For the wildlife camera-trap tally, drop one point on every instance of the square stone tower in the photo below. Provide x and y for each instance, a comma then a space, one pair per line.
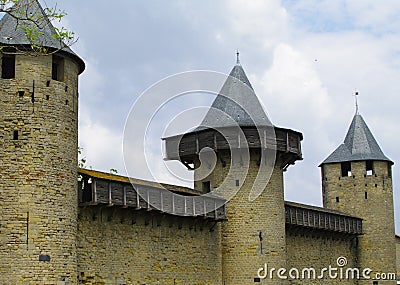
357, 180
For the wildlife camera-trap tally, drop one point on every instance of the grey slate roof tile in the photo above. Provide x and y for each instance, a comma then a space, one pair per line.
11, 35
235, 105
359, 144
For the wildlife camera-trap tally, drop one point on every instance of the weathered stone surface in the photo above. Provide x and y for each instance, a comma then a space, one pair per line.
319, 250
38, 193
398, 256
243, 251
370, 197
124, 246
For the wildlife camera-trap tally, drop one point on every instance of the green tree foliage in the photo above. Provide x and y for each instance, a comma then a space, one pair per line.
33, 25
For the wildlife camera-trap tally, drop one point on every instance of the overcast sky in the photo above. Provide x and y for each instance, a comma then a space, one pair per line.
305, 59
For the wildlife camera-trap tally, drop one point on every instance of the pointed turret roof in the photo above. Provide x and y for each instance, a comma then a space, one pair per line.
236, 104
12, 35
359, 144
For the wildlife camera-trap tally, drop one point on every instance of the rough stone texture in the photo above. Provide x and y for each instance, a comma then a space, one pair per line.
369, 197
124, 246
319, 250
241, 246
398, 256
38, 193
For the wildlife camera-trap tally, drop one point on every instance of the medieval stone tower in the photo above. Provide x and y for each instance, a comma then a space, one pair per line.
38, 138
239, 155
357, 180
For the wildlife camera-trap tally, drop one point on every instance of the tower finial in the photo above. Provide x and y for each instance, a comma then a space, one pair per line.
356, 95
237, 57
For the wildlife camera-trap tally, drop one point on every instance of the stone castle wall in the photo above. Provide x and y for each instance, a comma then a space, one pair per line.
38, 192
319, 250
125, 246
398, 256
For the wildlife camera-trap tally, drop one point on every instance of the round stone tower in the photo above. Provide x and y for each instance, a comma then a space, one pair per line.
357, 180
38, 141
237, 154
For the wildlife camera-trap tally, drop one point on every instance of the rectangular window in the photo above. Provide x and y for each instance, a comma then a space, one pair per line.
366, 195
8, 66
389, 169
57, 68
206, 186
346, 169
369, 167
15, 135
337, 199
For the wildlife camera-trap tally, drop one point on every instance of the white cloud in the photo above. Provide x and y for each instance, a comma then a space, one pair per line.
293, 85
375, 15
261, 23
102, 147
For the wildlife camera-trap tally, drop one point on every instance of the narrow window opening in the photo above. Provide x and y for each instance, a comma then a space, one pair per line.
47, 83
66, 88
376, 185
206, 186
237, 182
8, 66
366, 195
66, 102
57, 68
337, 199
15, 135
346, 169
47, 97
21, 94
369, 167
54, 71
389, 170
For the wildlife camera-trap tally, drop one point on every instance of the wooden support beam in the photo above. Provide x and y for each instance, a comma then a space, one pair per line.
124, 197
110, 203
94, 192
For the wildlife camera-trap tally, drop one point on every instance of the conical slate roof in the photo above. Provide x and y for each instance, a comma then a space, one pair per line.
12, 35
359, 144
235, 105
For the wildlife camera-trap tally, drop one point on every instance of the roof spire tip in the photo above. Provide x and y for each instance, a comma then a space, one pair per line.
356, 97
237, 57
